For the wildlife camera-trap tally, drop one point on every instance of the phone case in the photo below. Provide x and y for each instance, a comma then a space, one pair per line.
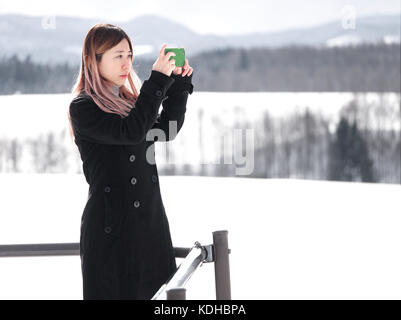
179, 56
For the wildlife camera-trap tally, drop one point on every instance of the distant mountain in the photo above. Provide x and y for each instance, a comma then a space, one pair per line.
59, 38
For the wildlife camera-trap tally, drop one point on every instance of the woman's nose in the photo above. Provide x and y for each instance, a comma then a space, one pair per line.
126, 64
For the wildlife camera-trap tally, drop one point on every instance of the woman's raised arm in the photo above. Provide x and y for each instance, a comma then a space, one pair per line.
93, 124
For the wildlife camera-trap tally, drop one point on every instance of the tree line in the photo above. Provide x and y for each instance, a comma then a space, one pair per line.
363, 68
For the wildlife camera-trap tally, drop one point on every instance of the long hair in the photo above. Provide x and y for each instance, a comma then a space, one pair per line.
100, 38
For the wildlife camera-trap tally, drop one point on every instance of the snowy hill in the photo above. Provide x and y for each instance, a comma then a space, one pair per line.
59, 38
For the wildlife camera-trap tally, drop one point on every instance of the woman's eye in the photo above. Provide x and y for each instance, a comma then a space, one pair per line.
120, 56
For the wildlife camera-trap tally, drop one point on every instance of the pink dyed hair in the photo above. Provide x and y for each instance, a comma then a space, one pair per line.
100, 38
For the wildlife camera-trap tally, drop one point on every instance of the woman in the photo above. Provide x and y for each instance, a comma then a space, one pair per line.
125, 244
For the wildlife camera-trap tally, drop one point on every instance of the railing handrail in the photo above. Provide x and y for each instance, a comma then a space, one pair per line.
174, 287
193, 260
57, 249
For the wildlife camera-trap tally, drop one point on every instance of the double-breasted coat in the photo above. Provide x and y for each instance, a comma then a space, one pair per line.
125, 243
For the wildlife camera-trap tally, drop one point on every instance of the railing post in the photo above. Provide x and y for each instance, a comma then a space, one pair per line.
176, 294
221, 265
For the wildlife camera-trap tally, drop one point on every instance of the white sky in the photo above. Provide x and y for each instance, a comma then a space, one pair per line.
209, 16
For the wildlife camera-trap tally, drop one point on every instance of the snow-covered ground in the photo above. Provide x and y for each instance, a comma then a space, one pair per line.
289, 239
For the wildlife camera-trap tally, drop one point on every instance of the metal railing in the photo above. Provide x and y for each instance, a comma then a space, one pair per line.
218, 253
174, 288
56, 249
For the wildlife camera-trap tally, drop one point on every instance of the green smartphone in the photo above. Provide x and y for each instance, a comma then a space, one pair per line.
179, 56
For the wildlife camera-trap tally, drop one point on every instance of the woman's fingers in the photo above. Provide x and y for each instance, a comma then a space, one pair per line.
161, 53
187, 69
169, 54
177, 70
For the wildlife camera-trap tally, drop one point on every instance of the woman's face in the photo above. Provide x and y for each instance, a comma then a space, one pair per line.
116, 63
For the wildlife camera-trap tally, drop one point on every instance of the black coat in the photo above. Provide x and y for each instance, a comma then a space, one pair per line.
125, 244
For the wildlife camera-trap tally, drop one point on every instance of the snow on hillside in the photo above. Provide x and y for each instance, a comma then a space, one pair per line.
289, 239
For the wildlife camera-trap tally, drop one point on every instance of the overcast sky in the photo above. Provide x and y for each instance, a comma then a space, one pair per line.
209, 16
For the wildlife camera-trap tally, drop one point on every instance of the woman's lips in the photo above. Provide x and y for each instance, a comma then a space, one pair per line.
123, 76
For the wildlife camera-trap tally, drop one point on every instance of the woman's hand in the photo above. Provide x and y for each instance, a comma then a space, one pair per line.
162, 64
187, 69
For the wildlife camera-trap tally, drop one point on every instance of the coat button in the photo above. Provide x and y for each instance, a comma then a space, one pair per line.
107, 189
136, 203
132, 158
107, 229
159, 93
154, 178
133, 180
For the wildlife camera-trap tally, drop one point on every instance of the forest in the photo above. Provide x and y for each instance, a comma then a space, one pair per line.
365, 144
362, 68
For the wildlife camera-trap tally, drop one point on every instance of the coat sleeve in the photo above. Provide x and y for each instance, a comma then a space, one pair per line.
171, 118
93, 124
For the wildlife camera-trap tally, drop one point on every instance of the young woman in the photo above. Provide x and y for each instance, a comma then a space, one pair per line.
125, 244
